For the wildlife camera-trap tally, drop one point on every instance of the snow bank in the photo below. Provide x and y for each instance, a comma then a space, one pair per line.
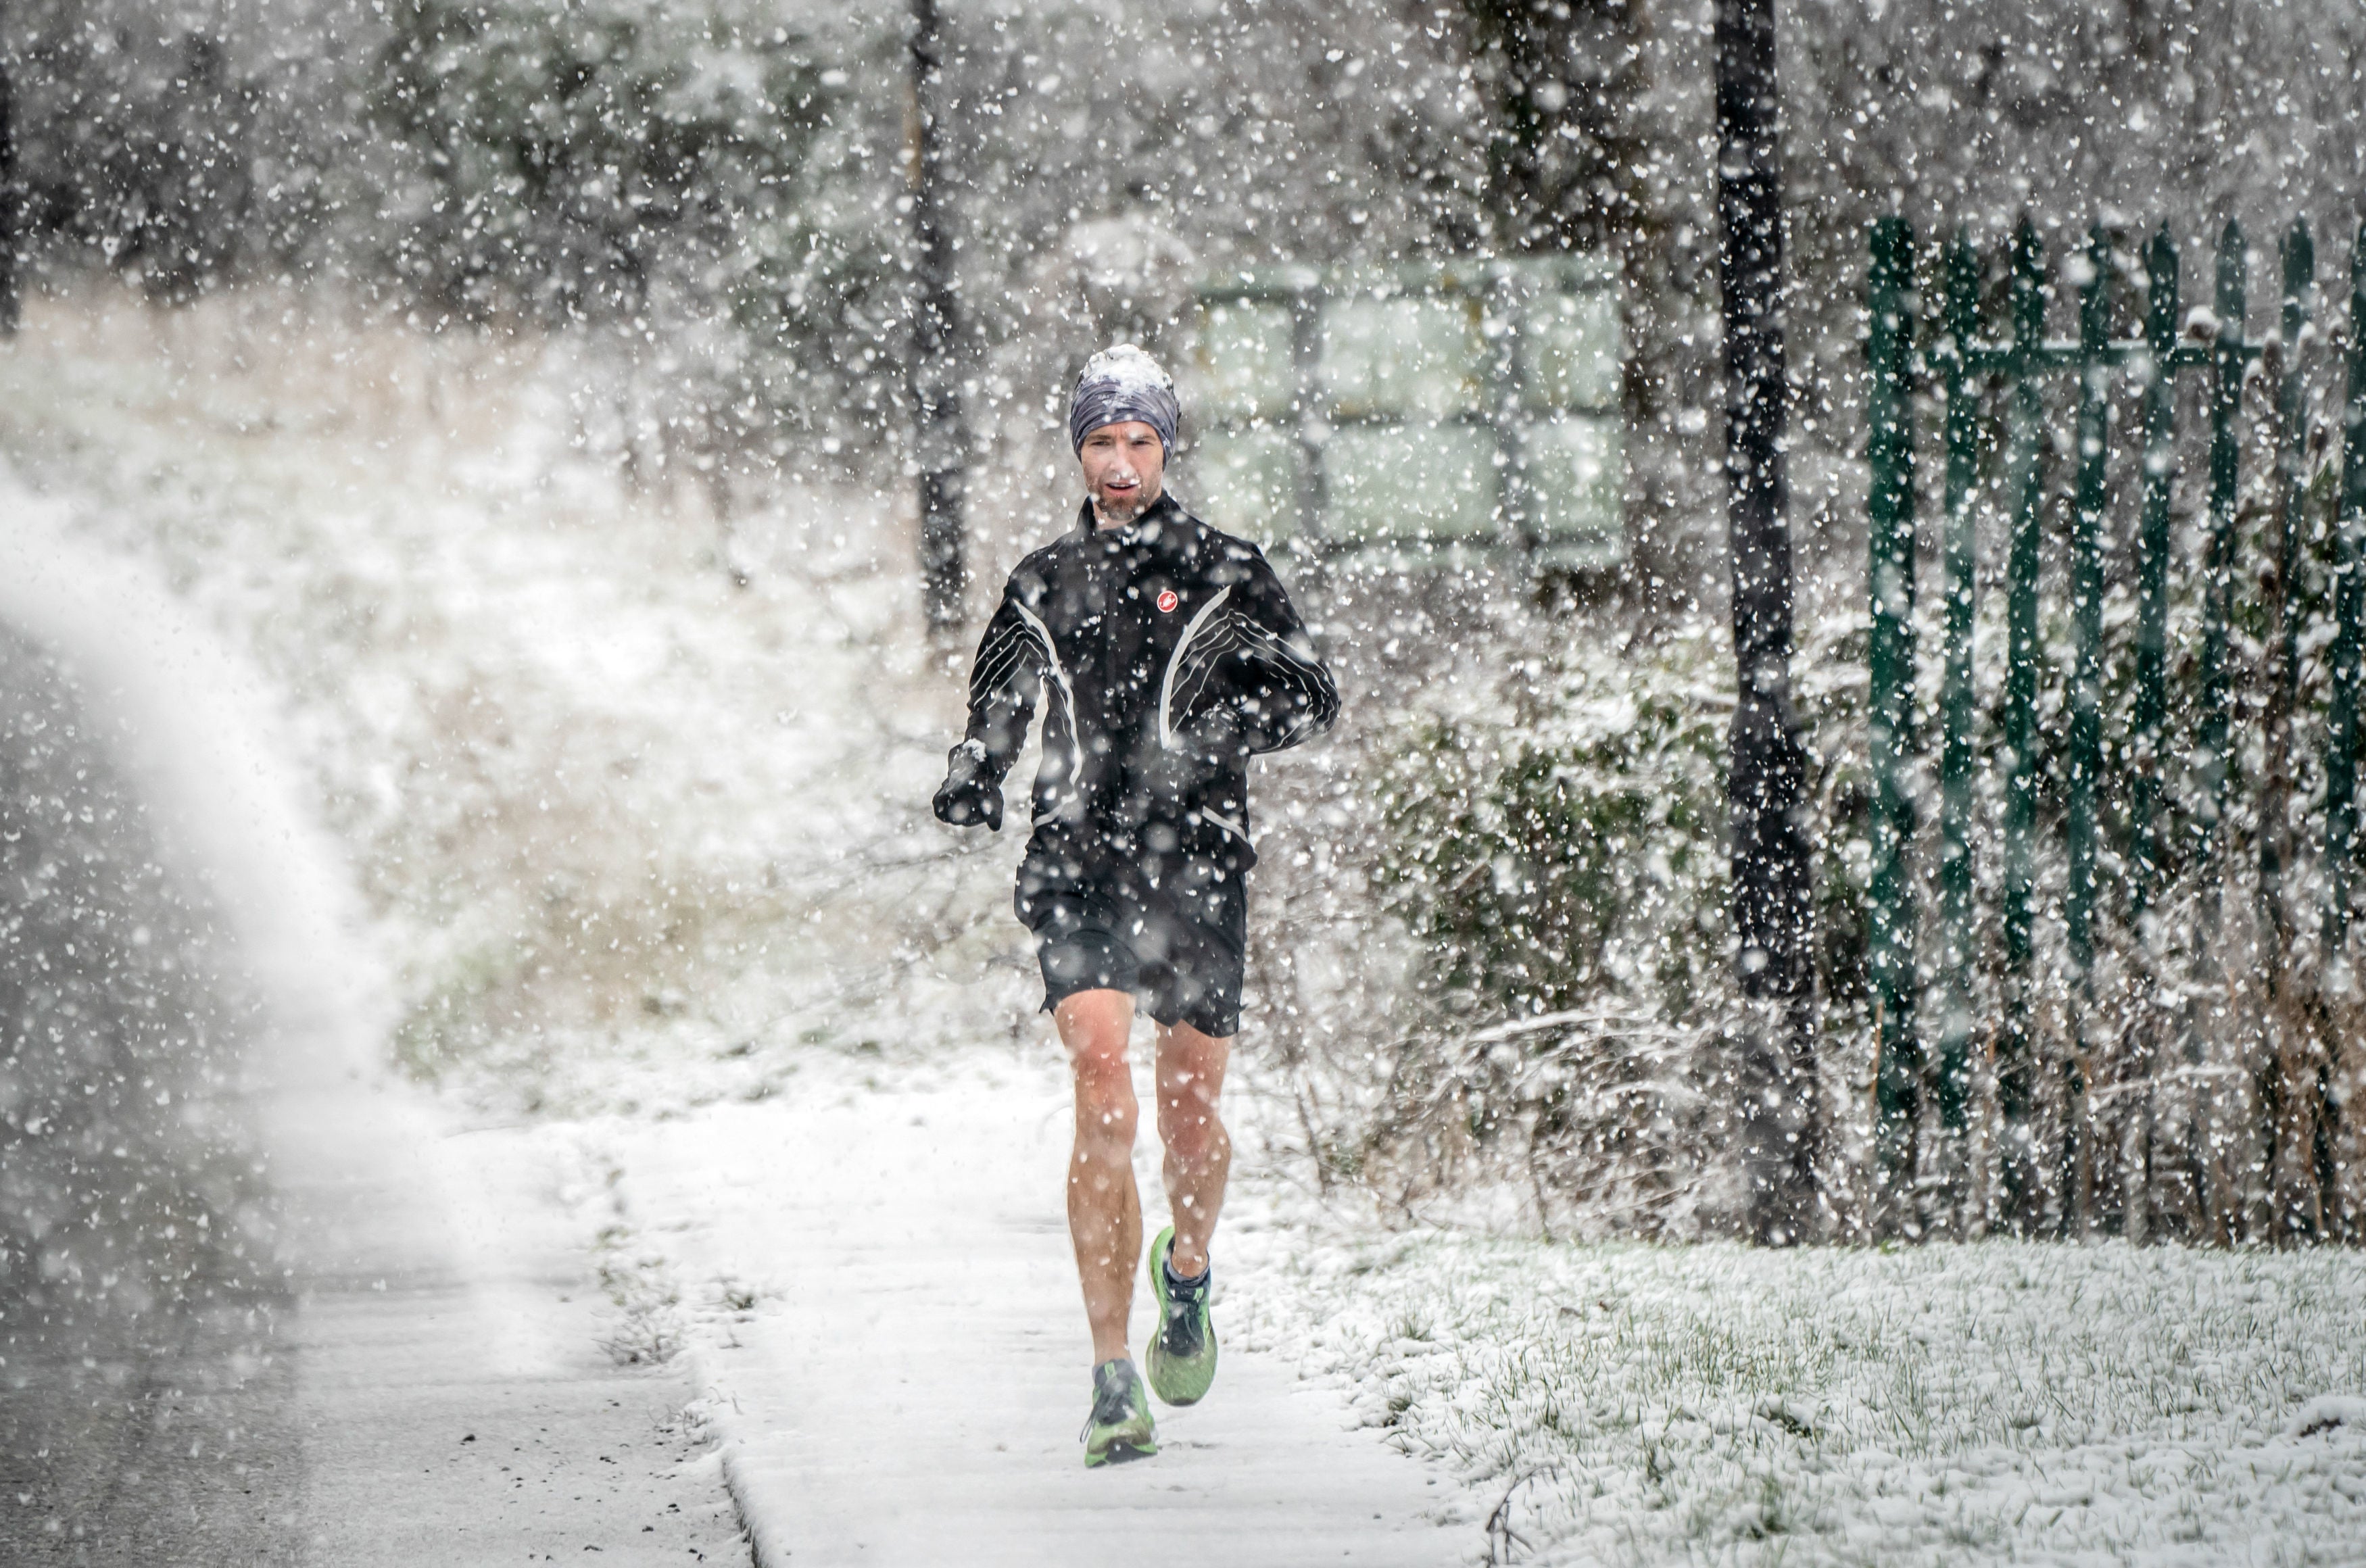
203, 740
203, 737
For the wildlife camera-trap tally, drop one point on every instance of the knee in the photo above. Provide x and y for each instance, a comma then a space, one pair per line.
1111, 1116
1104, 1101
1187, 1124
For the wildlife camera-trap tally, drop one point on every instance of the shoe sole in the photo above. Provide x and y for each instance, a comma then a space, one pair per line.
1156, 1363
1120, 1453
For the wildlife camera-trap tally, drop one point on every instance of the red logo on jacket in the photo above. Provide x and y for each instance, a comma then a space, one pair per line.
1167, 601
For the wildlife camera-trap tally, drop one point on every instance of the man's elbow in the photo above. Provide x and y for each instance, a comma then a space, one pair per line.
1297, 724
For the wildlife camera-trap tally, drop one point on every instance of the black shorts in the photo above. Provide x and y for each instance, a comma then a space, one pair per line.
1176, 943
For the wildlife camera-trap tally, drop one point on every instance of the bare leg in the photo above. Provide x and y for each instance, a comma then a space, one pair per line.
1199, 1150
1104, 1208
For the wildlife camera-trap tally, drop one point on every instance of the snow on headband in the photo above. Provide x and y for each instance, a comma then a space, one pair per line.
1118, 384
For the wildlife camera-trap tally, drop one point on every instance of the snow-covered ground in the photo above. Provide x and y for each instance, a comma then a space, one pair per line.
1994, 1402
637, 804
868, 1274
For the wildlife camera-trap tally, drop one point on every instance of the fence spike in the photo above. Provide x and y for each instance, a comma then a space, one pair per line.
2227, 360
2229, 355
2087, 595
2299, 267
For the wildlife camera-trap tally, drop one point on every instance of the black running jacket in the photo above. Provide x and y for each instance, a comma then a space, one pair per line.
1165, 654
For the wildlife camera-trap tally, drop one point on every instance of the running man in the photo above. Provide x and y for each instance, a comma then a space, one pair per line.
1165, 655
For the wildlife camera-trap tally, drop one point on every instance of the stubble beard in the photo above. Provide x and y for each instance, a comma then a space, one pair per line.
1116, 511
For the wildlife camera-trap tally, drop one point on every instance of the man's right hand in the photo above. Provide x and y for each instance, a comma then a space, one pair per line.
967, 797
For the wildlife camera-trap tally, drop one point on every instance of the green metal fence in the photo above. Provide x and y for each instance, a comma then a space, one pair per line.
1992, 375
1426, 412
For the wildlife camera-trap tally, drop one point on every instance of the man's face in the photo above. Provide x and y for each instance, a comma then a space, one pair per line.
1123, 466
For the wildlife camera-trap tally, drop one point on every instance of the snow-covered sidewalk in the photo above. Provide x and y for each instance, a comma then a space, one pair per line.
452, 1401
878, 1301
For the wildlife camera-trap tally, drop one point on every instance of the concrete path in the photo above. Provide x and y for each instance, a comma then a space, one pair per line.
894, 1346
428, 1389
452, 1403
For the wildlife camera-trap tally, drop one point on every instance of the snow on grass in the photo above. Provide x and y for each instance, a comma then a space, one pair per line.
1996, 1402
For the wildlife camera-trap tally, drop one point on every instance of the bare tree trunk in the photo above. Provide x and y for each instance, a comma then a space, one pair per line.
940, 435
1772, 900
2346, 1086
11, 207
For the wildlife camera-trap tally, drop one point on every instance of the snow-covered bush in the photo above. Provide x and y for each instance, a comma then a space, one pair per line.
1577, 860
141, 127
1561, 871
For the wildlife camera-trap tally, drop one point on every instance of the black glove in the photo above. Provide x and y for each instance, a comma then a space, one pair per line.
1215, 733
968, 796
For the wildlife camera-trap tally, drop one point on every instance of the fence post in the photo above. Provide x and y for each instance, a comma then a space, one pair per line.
2086, 597
2228, 355
2300, 1123
2226, 485
2299, 259
2225, 488
2151, 717
1956, 696
1889, 717
2350, 615
2086, 697
2016, 1071
2152, 558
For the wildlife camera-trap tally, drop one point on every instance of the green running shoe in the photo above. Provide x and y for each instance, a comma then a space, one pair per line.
1183, 1347
1120, 1427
